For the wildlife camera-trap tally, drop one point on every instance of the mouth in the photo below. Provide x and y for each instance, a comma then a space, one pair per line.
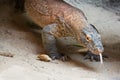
97, 51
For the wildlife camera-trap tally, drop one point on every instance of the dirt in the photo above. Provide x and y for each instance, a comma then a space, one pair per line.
16, 37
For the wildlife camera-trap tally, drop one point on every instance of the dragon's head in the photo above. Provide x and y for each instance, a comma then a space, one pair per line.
91, 38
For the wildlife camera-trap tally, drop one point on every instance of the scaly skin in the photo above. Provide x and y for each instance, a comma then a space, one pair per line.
59, 19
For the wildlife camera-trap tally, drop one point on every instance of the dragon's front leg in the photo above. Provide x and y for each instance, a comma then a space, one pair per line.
49, 42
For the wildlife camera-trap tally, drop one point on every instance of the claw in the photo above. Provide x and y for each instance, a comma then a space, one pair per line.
59, 57
65, 58
93, 57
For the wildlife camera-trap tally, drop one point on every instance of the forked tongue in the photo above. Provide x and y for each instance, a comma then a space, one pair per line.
101, 58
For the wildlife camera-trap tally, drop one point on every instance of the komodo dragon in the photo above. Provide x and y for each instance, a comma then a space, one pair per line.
59, 19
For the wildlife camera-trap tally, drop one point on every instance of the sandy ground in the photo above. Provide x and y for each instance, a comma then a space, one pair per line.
18, 39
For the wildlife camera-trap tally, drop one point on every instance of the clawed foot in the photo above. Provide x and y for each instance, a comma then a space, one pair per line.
58, 56
92, 56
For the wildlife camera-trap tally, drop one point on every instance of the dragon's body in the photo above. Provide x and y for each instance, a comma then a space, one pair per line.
59, 19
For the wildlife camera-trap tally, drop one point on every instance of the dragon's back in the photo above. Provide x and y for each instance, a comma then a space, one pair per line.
45, 12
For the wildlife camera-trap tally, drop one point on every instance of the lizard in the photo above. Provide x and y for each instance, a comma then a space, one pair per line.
59, 19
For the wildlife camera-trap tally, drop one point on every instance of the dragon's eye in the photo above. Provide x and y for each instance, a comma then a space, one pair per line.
88, 38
